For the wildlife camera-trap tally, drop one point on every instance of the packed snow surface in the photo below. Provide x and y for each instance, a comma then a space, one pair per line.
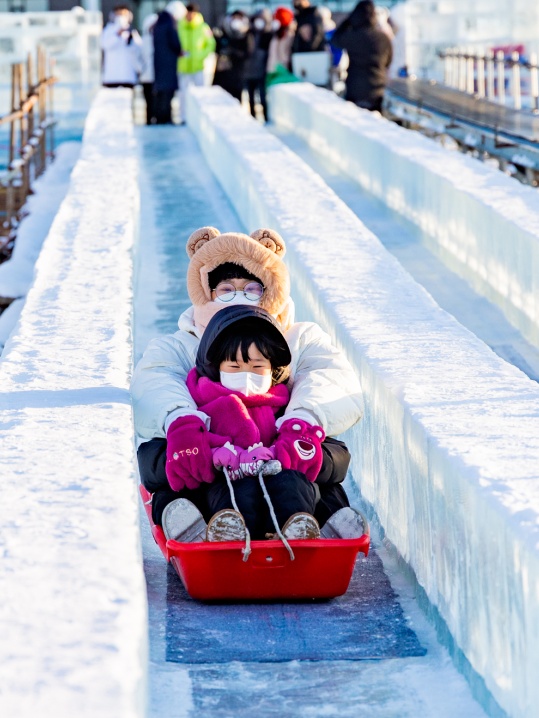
73, 612
17, 273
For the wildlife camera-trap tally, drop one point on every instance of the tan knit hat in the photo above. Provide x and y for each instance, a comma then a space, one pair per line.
260, 254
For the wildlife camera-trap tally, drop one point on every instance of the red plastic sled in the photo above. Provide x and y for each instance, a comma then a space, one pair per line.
216, 571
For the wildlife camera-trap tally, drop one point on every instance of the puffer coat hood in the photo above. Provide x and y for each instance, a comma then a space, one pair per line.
260, 254
363, 15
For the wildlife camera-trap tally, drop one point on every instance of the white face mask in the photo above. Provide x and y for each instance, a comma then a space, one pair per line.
259, 23
238, 25
246, 382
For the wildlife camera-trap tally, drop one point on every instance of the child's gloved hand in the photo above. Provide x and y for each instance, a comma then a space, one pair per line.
189, 459
299, 446
251, 461
228, 456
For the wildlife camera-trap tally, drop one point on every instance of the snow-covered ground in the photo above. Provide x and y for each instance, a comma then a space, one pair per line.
17, 274
73, 611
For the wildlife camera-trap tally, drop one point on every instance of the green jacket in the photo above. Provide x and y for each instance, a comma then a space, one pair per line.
197, 40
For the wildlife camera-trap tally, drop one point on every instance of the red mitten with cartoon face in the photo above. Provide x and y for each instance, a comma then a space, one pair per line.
189, 456
299, 446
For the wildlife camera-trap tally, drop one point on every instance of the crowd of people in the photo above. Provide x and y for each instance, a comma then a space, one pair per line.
250, 52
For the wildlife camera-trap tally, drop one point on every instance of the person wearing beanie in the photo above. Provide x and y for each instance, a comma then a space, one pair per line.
237, 271
280, 47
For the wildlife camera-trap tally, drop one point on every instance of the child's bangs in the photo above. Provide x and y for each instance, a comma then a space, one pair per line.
243, 342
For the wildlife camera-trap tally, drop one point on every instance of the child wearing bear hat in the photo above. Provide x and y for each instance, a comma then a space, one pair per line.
227, 269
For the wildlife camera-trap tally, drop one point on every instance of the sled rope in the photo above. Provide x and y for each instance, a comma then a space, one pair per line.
273, 516
246, 550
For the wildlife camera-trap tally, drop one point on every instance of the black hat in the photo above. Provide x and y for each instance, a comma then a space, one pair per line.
229, 270
229, 320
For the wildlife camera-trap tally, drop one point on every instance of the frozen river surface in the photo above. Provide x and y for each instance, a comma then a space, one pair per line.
195, 667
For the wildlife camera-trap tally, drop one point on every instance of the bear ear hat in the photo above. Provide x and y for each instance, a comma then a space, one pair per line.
270, 239
199, 238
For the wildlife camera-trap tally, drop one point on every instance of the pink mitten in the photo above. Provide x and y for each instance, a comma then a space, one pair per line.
251, 461
228, 456
299, 446
189, 459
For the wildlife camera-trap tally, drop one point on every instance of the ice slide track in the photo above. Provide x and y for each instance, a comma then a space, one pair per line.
193, 665
407, 242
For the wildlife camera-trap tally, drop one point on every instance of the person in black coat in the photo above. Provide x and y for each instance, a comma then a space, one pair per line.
167, 49
255, 66
310, 35
234, 44
370, 53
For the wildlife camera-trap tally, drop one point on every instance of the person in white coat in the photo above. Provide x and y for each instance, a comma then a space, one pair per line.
123, 60
324, 390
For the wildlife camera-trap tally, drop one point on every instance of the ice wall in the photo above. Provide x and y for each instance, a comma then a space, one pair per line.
481, 223
429, 26
71, 38
73, 615
448, 450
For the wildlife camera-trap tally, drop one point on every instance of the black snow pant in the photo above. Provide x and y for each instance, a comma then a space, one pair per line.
147, 88
162, 108
252, 87
288, 490
329, 495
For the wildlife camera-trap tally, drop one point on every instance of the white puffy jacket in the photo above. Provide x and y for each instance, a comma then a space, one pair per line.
324, 387
122, 62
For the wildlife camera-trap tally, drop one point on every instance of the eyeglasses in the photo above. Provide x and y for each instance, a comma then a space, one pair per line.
226, 291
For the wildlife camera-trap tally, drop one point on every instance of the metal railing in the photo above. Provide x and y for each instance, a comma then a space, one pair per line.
492, 75
31, 139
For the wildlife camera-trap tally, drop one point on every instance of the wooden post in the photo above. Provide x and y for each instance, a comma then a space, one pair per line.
470, 71
13, 108
500, 63
534, 81
462, 71
51, 102
30, 89
480, 74
42, 110
28, 120
515, 81
490, 75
